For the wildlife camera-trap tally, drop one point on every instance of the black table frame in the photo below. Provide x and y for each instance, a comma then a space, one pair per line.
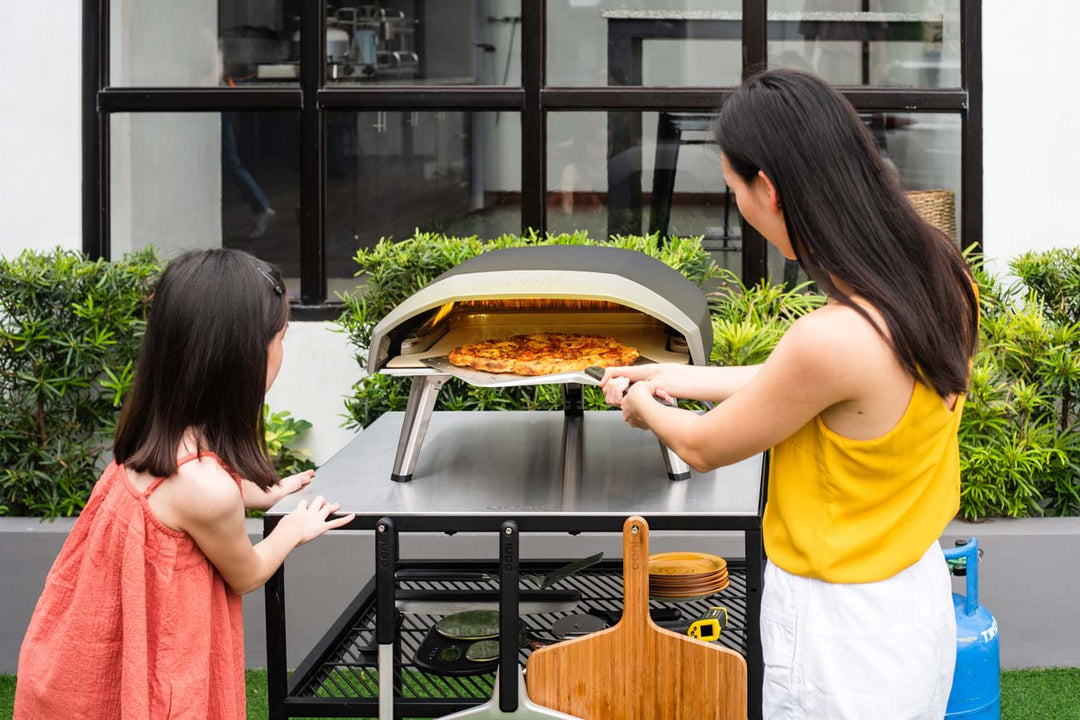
387, 531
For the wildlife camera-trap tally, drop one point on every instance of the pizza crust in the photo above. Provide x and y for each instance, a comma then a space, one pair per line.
543, 354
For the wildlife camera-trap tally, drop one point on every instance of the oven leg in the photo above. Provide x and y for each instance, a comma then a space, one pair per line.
677, 468
422, 396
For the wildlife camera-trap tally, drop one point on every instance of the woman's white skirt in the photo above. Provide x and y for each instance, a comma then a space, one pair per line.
861, 651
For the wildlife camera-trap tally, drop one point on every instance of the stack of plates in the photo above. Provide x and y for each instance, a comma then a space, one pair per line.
686, 576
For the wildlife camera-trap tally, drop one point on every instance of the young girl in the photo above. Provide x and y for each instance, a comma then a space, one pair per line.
141, 614
860, 403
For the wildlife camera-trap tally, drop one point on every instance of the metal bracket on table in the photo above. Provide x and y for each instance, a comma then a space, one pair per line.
386, 559
422, 396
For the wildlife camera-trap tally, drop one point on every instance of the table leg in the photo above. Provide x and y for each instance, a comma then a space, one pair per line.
386, 558
624, 137
277, 677
663, 187
755, 577
509, 670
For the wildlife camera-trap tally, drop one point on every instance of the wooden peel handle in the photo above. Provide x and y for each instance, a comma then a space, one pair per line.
635, 571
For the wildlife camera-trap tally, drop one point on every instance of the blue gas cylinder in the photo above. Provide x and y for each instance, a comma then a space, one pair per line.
976, 688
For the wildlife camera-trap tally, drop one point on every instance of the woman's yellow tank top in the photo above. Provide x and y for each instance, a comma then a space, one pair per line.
852, 511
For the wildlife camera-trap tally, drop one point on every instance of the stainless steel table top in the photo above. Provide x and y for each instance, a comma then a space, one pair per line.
494, 465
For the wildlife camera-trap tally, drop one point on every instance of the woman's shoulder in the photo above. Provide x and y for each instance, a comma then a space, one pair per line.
837, 332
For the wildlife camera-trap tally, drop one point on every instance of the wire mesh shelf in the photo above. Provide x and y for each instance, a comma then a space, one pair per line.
348, 668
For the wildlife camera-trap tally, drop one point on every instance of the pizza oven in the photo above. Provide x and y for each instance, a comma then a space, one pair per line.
623, 294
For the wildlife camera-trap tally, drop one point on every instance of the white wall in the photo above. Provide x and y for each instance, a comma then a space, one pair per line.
317, 371
1031, 128
40, 125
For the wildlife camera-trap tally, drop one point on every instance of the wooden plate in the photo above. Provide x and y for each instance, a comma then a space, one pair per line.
685, 564
687, 580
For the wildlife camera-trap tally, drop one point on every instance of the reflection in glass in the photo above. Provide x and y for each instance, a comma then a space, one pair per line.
203, 43
644, 42
389, 173
881, 43
204, 180
924, 150
453, 42
634, 173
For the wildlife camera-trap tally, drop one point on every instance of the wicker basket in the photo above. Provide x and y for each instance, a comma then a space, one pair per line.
937, 207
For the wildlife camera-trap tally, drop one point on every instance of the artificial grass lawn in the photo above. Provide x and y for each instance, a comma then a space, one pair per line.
1052, 694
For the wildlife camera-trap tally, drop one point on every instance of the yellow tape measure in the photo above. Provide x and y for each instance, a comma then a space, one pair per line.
708, 627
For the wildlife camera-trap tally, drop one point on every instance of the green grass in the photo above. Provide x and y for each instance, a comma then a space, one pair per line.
1052, 694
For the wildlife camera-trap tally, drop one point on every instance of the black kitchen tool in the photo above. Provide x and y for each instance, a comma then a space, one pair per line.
445, 656
572, 626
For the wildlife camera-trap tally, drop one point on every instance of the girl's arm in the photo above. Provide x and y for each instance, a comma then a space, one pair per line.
818, 363
696, 382
215, 520
256, 498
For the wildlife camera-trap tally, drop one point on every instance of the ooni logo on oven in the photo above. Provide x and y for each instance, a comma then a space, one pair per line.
515, 507
549, 281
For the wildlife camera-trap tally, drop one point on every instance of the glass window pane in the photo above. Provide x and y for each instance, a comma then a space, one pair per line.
637, 172
403, 42
183, 181
639, 42
203, 43
390, 173
880, 43
924, 148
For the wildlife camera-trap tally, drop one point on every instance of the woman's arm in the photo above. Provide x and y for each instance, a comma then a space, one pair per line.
696, 382
814, 367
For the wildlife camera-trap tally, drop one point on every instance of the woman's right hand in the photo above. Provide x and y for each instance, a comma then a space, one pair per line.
617, 379
310, 520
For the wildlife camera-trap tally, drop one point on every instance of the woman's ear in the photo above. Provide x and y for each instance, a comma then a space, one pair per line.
770, 189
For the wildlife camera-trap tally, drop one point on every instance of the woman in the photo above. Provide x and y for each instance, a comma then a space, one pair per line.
860, 403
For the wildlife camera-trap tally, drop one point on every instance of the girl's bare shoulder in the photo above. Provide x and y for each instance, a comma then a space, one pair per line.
204, 491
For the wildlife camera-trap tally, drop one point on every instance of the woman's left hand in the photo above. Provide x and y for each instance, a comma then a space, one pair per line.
640, 393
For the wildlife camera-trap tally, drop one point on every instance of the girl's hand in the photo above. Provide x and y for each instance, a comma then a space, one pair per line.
310, 520
256, 498
617, 379
643, 391
299, 481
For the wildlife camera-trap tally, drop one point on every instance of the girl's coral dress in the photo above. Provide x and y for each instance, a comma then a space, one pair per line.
134, 623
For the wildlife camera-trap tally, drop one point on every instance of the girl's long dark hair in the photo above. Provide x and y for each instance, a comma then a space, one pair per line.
202, 365
849, 220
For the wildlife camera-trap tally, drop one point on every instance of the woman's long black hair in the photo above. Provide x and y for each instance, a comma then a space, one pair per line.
202, 365
849, 220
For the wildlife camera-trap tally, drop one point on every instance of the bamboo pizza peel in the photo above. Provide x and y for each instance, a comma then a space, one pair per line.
636, 669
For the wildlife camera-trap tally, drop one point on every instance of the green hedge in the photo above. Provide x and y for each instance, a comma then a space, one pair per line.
70, 330
1019, 442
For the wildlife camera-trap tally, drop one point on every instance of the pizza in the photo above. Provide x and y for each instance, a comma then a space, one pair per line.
543, 353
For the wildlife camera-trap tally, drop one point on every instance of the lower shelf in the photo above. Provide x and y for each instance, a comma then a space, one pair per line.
341, 672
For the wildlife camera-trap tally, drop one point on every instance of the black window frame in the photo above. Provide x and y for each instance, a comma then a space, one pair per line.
533, 100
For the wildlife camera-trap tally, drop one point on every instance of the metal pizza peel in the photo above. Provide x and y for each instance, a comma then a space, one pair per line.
479, 378
525, 708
